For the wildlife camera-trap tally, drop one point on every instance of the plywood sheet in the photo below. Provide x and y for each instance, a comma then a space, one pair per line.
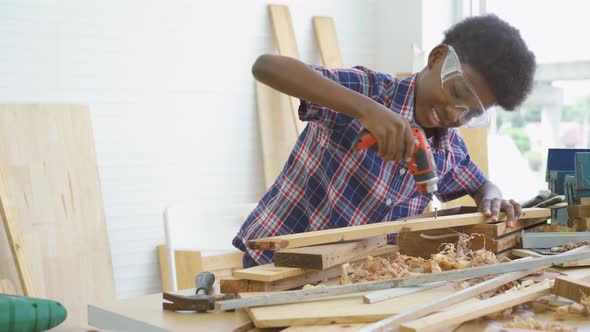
343, 309
48, 157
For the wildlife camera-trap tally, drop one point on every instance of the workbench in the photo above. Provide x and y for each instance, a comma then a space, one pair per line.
145, 314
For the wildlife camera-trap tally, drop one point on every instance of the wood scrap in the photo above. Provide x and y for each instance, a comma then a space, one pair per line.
370, 230
549, 240
311, 294
571, 288
393, 323
388, 294
325, 256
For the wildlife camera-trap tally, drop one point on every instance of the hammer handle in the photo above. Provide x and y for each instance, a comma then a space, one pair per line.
204, 281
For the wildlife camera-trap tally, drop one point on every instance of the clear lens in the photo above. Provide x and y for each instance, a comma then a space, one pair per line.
461, 93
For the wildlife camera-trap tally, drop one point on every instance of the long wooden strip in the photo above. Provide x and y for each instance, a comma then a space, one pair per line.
370, 230
530, 253
270, 272
316, 293
570, 288
324, 256
325, 33
393, 323
285, 39
388, 294
468, 311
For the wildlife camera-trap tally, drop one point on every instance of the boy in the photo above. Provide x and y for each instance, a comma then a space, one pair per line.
481, 62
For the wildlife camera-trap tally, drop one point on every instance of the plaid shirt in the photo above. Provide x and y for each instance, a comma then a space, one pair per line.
325, 185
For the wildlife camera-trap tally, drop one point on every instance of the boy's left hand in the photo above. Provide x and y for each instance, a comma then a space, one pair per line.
493, 207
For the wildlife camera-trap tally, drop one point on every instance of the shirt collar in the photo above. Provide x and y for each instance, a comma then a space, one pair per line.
404, 101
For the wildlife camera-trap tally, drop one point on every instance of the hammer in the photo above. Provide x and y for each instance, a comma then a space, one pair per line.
201, 301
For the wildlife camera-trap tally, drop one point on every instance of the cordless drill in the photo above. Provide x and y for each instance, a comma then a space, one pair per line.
422, 165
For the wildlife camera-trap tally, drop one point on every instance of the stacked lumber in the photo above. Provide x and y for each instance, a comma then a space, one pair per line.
308, 258
579, 215
496, 237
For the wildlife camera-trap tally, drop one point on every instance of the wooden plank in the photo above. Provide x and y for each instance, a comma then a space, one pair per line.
344, 309
571, 288
393, 323
552, 239
425, 243
476, 140
584, 200
325, 328
270, 272
277, 132
321, 257
578, 211
325, 33
8, 213
48, 157
467, 311
530, 253
312, 294
287, 46
370, 230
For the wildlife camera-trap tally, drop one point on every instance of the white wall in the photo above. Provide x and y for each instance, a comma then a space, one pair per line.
171, 94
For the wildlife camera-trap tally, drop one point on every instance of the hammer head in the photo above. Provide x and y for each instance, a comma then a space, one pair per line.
200, 303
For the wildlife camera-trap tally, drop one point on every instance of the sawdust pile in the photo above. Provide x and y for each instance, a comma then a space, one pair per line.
533, 324
451, 257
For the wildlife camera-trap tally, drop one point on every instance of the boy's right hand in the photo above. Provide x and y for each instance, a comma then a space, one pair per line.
393, 132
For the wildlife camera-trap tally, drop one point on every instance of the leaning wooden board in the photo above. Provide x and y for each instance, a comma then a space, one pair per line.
49, 162
343, 309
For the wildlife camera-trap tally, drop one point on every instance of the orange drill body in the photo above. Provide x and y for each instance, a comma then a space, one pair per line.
421, 165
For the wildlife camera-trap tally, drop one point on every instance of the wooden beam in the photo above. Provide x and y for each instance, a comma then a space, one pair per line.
394, 322
321, 257
370, 230
468, 311
270, 272
311, 294
325, 33
570, 288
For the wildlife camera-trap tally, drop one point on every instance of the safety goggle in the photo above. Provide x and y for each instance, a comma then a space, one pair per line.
460, 92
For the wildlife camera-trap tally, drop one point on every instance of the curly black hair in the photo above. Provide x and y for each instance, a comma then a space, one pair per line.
495, 49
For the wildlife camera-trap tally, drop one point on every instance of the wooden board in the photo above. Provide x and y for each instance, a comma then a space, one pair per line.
270, 272
327, 255
476, 140
493, 237
571, 288
277, 132
285, 39
530, 253
578, 211
343, 309
48, 157
325, 33
190, 262
370, 230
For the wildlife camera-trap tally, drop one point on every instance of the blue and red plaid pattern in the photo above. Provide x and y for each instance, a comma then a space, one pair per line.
325, 185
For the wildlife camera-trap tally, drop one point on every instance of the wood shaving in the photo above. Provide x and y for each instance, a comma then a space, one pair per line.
533, 324
310, 286
569, 246
453, 256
